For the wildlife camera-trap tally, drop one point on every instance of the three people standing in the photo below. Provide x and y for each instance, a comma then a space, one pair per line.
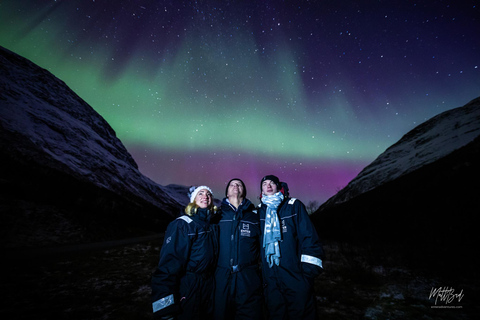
279, 230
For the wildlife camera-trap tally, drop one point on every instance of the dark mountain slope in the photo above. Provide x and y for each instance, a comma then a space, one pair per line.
65, 176
426, 213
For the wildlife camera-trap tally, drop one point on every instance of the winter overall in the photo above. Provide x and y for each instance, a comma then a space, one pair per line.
183, 283
238, 288
289, 290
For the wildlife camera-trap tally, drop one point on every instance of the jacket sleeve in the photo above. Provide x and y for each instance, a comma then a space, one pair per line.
166, 278
311, 251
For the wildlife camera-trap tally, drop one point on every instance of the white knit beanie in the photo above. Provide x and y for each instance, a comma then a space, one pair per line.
197, 189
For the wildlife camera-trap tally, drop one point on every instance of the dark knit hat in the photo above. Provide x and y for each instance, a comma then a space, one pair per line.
272, 178
243, 185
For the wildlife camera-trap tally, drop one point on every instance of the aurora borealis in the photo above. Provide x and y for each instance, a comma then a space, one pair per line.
204, 91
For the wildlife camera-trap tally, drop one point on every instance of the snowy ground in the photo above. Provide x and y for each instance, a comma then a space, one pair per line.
114, 284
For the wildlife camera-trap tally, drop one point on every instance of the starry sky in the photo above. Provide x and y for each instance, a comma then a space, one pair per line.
201, 92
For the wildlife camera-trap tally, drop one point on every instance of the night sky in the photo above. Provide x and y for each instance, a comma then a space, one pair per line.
201, 92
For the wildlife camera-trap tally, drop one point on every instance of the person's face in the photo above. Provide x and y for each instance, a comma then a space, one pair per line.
269, 187
235, 189
203, 198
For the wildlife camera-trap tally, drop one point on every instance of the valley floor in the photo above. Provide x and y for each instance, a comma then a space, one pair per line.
114, 283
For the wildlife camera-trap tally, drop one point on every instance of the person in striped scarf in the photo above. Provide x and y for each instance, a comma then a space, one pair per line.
291, 253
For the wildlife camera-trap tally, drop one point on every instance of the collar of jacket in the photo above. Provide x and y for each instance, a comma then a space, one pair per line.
203, 214
226, 204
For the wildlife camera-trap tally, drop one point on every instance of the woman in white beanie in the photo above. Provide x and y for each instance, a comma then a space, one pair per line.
182, 284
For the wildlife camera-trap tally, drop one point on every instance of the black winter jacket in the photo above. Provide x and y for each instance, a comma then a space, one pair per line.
238, 284
300, 248
190, 247
240, 230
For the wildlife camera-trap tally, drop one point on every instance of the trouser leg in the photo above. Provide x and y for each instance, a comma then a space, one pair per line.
249, 300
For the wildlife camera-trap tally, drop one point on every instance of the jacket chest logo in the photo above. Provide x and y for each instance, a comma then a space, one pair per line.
245, 230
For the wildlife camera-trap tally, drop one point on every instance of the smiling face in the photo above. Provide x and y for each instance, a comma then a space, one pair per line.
235, 189
203, 198
269, 187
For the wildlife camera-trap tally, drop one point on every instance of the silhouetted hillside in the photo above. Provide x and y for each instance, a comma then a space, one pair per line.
65, 176
427, 213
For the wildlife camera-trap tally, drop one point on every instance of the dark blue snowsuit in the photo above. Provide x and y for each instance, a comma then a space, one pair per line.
289, 286
183, 283
238, 288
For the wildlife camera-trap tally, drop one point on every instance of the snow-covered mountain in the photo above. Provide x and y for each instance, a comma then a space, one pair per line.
425, 144
419, 200
52, 141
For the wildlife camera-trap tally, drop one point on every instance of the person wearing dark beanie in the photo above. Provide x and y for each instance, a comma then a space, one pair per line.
238, 285
291, 253
244, 194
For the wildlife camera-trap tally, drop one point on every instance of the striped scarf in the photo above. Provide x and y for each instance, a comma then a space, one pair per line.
272, 232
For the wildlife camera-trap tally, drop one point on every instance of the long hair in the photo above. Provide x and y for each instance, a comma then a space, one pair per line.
191, 208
